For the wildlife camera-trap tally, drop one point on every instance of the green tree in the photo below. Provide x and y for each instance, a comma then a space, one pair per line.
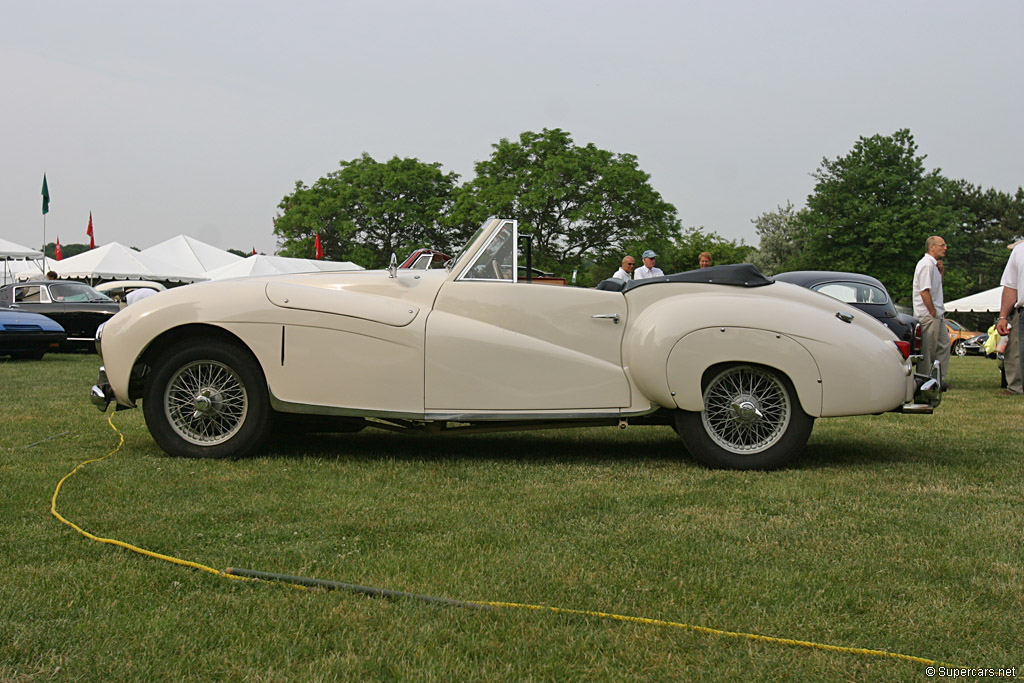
66, 250
685, 247
988, 220
872, 210
779, 232
367, 210
583, 205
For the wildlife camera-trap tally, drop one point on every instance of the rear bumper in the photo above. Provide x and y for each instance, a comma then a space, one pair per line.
927, 393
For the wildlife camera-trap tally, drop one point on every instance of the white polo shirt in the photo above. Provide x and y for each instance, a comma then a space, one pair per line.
643, 272
1013, 274
927, 276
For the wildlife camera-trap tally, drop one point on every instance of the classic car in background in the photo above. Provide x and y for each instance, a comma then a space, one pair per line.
75, 306
26, 335
425, 259
958, 335
864, 292
118, 290
739, 365
975, 346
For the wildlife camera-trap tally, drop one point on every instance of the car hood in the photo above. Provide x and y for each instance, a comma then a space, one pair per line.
23, 320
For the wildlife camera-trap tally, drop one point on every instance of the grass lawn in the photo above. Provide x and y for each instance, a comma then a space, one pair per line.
895, 533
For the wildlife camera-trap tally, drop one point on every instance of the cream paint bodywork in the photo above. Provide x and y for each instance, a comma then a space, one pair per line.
515, 346
837, 368
426, 345
312, 353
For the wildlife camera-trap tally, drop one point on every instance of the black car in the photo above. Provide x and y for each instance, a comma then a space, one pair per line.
863, 292
28, 335
75, 306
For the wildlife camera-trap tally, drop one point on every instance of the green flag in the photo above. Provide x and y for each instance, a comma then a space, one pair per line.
46, 197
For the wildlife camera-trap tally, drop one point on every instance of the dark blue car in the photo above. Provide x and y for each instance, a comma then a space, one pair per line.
28, 335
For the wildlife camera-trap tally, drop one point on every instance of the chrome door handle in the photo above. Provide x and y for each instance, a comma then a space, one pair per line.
608, 316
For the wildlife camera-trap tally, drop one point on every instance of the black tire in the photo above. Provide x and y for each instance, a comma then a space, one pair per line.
752, 420
208, 399
28, 355
959, 349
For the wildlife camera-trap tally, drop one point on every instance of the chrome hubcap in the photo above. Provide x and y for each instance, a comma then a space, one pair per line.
746, 412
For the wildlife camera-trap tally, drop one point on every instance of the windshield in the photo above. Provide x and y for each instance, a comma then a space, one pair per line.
472, 240
76, 291
497, 260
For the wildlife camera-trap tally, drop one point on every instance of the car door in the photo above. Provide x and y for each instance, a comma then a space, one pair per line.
35, 297
494, 343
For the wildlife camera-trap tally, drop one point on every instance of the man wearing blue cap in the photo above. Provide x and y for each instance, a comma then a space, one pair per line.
648, 269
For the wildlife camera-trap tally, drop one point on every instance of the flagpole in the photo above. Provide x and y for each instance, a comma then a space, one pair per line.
44, 245
46, 208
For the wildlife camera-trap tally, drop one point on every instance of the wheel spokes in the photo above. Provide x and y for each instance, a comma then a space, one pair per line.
206, 402
746, 410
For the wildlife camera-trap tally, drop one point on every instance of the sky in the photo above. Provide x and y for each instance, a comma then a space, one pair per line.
197, 118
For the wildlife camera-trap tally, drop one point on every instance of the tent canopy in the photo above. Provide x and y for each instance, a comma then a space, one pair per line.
114, 261
258, 264
191, 255
982, 302
11, 250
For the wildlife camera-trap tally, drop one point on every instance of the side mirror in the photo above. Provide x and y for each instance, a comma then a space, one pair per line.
393, 266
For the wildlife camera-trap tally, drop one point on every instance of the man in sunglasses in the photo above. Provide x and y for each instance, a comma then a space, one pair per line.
625, 272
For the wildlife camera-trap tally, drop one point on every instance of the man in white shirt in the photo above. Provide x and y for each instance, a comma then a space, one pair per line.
625, 271
138, 294
648, 269
929, 308
1011, 319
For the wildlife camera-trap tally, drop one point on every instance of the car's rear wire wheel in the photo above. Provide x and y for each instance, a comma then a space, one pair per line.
751, 420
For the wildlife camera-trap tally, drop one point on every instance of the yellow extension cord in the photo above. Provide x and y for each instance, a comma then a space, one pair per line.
511, 605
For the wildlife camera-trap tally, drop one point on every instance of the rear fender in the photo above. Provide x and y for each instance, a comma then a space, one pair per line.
702, 349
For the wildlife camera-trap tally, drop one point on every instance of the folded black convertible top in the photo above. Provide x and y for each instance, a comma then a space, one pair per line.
736, 275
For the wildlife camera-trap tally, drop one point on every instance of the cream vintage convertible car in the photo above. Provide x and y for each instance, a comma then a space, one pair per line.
738, 364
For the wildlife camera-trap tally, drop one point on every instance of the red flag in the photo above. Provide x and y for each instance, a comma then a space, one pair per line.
319, 248
92, 242
254, 251
57, 253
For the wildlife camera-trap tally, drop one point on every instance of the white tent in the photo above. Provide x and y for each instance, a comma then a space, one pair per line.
330, 266
259, 264
191, 255
24, 269
13, 257
982, 302
9, 249
114, 261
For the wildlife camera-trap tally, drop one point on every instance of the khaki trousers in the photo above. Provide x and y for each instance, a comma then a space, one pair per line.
1014, 355
934, 346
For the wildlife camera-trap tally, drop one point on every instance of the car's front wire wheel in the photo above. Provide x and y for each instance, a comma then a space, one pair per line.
752, 419
207, 400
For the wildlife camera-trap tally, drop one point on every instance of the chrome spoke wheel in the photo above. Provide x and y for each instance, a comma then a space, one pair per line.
205, 402
746, 410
